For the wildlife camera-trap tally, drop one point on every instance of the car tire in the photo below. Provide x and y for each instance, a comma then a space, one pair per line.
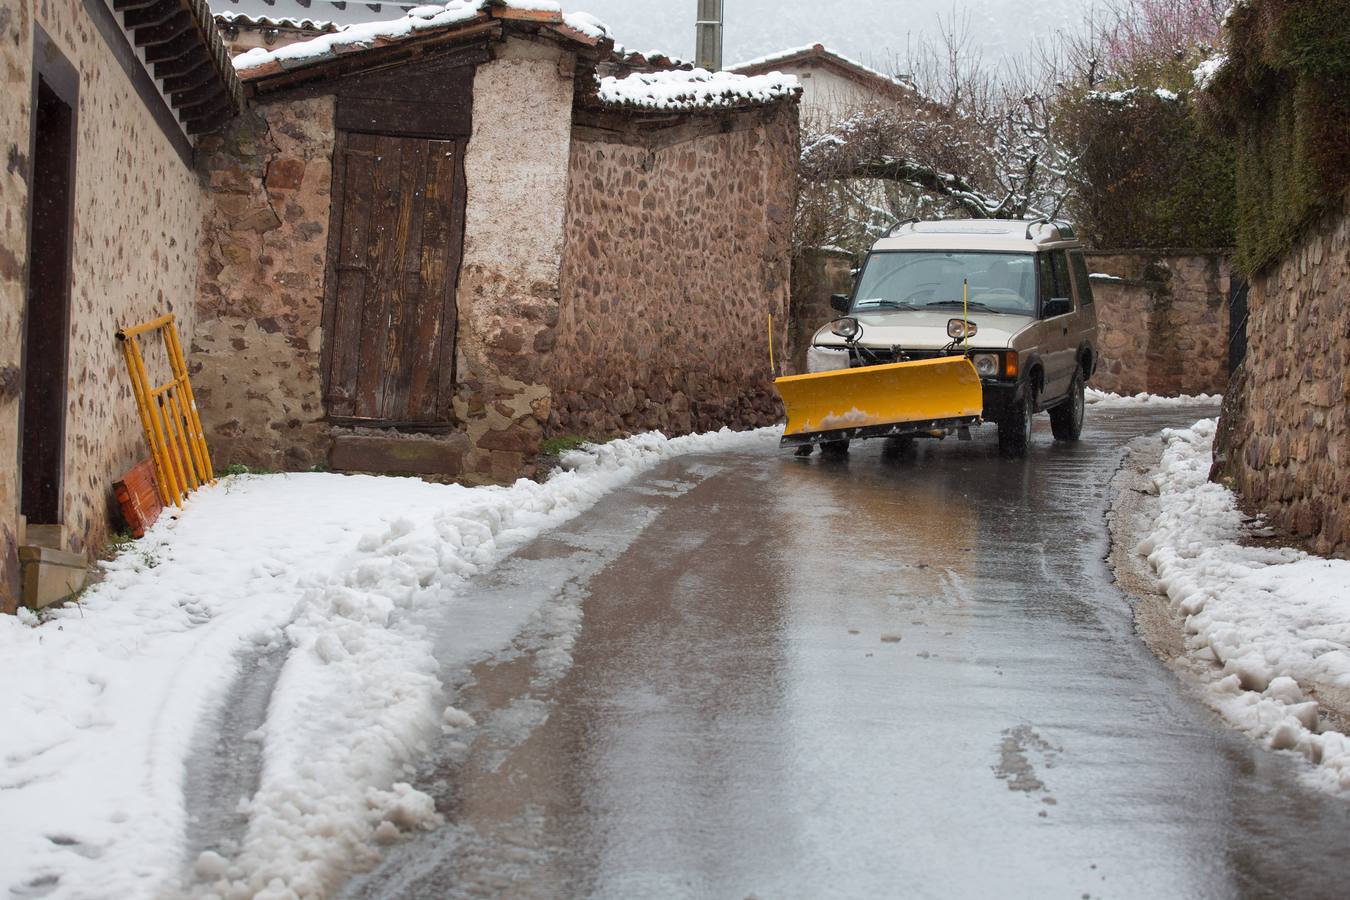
834, 449
1014, 426
1066, 420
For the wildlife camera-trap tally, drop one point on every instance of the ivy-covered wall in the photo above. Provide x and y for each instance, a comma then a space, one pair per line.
1284, 94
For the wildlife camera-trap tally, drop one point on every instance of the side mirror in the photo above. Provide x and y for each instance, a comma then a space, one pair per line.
1056, 306
840, 302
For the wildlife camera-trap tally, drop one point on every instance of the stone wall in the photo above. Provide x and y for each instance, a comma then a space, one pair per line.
256, 357
138, 212
676, 255
1163, 319
816, 275
1284, 440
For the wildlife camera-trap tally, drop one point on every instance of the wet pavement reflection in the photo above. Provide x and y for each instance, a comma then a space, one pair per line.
903, 674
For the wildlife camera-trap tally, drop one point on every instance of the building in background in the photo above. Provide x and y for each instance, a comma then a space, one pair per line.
833, 85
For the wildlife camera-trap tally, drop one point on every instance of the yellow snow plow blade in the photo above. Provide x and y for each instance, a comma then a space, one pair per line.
878, 401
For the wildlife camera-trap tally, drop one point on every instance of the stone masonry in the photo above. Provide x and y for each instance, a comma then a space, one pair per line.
1163, 319
676, 256
1284, 440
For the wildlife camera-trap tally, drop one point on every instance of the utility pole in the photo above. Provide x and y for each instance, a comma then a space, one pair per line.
708, 36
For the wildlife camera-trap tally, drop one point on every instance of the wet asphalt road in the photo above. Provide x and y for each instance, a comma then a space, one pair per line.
898, 675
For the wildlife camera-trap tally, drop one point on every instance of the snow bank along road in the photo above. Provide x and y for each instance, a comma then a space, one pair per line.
1269, 626
116, 782
894, 674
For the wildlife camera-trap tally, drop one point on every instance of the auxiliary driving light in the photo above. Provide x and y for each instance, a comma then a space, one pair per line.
847, 328
961, 329
986, 364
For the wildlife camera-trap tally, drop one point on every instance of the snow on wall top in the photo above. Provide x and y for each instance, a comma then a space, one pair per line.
697, 89
421, 19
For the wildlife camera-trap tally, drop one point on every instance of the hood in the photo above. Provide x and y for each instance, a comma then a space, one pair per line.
924, 330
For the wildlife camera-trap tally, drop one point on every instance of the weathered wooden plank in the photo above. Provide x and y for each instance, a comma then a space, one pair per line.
449, 278
387, 189
402, 303
350, 276
432, 263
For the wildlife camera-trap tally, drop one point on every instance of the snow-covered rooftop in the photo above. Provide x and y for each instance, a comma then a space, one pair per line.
817, 51
671, 90
228, 17
418, 21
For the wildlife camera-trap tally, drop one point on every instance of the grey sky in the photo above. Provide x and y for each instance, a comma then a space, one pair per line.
874, 31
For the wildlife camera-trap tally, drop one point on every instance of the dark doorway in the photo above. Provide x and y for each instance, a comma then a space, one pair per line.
47, 315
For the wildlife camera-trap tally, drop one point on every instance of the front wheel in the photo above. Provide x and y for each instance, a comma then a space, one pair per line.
1066, 420
1014, 426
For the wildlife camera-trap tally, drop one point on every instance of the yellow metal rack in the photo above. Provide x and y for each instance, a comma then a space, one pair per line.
168, 414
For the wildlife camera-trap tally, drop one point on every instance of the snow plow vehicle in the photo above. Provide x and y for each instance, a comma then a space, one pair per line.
952, 324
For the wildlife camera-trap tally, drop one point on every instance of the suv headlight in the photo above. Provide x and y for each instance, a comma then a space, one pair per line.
986, 364
847, 328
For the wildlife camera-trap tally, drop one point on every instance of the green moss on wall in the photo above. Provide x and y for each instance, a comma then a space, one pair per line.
1284, 96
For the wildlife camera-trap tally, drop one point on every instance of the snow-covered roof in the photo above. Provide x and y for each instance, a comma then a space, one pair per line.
696, 89
238, 19
821, 54
418, 22
668, 89
336, 12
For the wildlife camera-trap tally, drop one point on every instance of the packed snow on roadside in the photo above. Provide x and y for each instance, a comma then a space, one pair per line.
1269, 623
1106, 400
103, 698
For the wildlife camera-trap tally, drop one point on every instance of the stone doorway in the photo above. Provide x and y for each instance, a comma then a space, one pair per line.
47, 313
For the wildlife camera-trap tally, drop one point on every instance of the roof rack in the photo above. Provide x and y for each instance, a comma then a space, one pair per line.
898, 225
1064, 228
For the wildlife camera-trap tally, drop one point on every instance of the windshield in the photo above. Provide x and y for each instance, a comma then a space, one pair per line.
931, 279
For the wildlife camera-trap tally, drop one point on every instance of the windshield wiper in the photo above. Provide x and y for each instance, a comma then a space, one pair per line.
889, 304
972, 305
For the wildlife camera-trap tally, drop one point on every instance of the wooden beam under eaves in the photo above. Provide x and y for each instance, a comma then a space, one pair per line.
156, 35
156, 14
201, 72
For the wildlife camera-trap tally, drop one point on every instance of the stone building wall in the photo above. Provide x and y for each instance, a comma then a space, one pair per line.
138, 211
257, 355
816, 275
676, 255
1284, 440
1163, 320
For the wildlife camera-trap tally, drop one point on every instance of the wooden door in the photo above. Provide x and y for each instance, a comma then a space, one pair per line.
393, 266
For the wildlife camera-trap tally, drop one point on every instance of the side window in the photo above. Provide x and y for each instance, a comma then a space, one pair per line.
1059, 261
1080, 277
1047, 276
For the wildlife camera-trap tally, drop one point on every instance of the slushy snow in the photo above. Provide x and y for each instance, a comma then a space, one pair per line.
103, 698
1267, 625
1106, 400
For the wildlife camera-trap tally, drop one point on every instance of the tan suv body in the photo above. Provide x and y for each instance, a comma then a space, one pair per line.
1025, 287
